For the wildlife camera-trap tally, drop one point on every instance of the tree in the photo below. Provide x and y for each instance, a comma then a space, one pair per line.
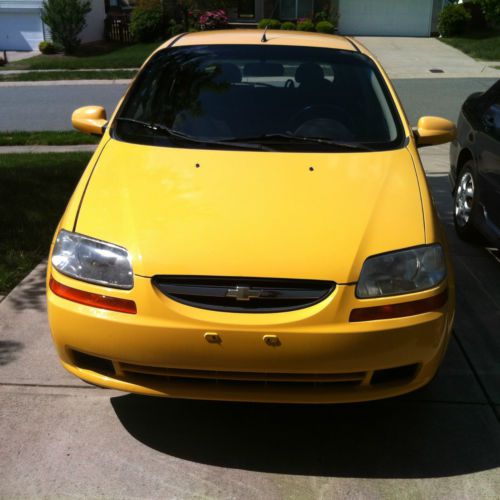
66, 19
491, 10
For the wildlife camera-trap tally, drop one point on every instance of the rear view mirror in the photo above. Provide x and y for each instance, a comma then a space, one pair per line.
90, 120
433, 130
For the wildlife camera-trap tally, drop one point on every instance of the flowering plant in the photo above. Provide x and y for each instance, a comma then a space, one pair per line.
213, 19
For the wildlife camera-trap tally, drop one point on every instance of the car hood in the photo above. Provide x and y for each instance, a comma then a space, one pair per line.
262, 214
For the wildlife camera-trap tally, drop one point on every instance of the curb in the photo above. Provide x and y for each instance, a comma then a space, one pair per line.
41, 71
77, 148
53, 83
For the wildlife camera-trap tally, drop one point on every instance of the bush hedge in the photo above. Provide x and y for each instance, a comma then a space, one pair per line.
146, 25
288, 25
325, 27
305, 25
47, 48
453, 20
272, 24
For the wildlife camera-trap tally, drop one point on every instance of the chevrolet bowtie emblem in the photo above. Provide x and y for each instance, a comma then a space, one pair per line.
244, 293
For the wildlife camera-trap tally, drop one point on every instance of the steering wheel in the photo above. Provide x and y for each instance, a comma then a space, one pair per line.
319, 111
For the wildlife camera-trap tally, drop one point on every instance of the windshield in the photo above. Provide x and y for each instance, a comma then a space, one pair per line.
260, 97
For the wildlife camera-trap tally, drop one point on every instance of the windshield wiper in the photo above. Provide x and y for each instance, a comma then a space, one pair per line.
311, 140
169, 132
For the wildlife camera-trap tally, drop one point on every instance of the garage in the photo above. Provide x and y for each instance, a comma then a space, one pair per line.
386, 17
20, 30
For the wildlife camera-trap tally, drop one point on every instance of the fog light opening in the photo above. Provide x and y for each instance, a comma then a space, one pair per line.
395, 375
93, 363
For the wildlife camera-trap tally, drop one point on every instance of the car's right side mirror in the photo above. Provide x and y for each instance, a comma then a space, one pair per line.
433, 130
90, 120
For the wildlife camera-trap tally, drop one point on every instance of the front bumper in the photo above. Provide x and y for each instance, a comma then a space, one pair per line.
320, 356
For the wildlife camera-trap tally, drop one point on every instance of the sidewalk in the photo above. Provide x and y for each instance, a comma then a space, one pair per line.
21, 71
53, 83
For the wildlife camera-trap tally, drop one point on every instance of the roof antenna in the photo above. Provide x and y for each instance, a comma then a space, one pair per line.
264, 39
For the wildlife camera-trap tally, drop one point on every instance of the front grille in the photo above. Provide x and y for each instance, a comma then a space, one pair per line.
219, 376
244, 294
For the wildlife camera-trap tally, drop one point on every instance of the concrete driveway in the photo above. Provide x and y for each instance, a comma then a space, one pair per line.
63, 438
407, 57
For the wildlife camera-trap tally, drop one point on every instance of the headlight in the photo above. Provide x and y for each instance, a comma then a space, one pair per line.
404, 271
91, 260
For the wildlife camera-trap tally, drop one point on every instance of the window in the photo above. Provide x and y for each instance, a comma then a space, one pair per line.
491, 119
272, 97
246, 9
295, 9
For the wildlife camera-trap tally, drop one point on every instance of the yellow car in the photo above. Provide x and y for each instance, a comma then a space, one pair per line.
255, 225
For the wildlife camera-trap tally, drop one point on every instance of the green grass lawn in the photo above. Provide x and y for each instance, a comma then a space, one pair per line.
92, 56
34, 190
484, 45
46, 138
33, 76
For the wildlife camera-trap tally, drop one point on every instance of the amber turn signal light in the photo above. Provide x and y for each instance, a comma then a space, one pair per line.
399, 310
92, 299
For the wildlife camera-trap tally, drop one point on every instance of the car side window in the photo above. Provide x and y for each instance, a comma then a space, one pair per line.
491, 119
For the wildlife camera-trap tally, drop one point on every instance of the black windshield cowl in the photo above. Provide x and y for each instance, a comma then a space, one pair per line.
294, 139
179, 136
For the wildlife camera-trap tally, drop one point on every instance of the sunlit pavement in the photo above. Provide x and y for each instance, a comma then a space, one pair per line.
61, 437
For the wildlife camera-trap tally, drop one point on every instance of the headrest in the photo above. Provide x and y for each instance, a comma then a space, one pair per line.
227, 72
309, 73
263, 69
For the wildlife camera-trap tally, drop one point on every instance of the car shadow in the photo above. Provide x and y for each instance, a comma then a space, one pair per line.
445, 429
392, 439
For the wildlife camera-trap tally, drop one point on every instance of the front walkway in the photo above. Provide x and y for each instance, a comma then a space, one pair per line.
405, 57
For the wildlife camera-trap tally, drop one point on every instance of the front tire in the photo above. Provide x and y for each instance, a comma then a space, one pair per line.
465, 203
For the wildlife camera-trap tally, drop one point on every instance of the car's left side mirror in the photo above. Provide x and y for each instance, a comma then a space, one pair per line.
90, 120
433, 130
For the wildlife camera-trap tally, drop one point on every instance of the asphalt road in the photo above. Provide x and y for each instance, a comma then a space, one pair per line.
50, 107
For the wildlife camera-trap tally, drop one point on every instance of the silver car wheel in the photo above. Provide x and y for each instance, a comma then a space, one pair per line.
464, 198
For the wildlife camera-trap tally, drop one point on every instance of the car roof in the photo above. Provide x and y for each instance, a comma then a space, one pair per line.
274, 37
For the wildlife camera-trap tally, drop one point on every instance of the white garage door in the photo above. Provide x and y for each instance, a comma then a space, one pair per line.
385, 17
20, 30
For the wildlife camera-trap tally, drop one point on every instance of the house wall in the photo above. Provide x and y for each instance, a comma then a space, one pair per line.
94, 31
437, 6
16, 12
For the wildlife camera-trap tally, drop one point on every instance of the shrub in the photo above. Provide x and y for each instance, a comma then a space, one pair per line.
47, 48
146, 25
453, 20
272, 24
288, 25
305, 25
325, 27
148, 4
213, 20
175, 28
66, 19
